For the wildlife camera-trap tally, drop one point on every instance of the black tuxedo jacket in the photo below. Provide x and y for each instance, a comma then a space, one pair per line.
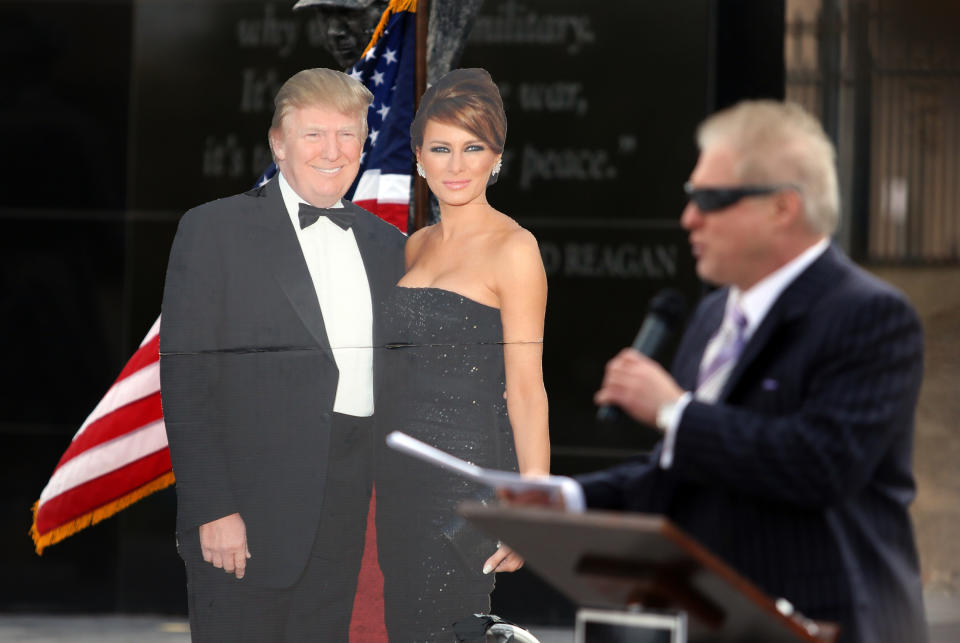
800, 475
248, 379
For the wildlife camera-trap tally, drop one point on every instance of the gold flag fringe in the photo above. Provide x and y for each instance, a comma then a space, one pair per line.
395, 6
52, 537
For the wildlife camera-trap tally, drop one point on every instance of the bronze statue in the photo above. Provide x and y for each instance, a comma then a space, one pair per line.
347, 25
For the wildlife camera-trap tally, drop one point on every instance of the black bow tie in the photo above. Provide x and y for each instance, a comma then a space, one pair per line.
309, 215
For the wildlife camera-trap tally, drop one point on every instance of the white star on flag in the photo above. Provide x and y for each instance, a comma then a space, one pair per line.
383, 184
119, 454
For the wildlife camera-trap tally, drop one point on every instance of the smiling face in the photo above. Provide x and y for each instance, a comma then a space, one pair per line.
457, 163
318, 150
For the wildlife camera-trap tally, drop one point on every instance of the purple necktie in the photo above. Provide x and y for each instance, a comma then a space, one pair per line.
734, 330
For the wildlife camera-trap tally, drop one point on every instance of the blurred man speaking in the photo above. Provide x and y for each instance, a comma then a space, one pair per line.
788, 417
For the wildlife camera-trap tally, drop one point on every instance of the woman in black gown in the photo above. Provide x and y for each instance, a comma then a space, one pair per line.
465, 324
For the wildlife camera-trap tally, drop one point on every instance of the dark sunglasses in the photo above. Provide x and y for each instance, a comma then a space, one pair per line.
716, 199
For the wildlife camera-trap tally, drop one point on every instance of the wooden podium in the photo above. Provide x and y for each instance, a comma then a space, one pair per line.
621, 561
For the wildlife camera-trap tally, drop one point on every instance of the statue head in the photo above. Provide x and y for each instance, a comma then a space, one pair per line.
347, 25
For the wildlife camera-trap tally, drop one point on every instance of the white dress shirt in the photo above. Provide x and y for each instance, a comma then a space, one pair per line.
755, 303
340, 280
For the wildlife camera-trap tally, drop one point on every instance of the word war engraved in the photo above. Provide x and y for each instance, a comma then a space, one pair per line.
551, 97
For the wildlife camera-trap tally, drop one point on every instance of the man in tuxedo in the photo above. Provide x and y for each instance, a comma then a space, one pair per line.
788, 416
268, 376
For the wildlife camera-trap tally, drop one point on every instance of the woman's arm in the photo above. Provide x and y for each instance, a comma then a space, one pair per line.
521, 284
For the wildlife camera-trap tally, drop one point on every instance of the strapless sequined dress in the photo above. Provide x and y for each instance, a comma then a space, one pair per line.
443, 384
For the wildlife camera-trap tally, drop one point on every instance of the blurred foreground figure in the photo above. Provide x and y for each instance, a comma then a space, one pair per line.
268, 375
788, 417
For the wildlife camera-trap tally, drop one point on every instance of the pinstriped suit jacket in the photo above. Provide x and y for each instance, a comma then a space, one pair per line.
800, 475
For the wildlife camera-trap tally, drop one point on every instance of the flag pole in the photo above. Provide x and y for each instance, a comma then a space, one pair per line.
421, 196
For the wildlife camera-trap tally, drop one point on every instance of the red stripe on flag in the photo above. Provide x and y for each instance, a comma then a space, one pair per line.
98, 492
145, 355
122, 421
395, 213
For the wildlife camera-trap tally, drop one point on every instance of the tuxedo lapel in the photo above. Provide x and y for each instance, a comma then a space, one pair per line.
793, 303
280, 244
381, 276
372, 252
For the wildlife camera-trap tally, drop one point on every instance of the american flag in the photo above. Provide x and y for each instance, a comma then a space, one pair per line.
118, 456
387, 70
120, 453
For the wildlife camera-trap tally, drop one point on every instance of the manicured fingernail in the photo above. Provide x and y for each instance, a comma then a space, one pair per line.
487, 569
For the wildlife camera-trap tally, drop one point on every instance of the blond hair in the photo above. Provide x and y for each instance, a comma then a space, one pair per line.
326, 88
779, 142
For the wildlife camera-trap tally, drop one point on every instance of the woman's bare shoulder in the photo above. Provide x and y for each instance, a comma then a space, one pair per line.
416, 240
515, 252
421, 234
513, 237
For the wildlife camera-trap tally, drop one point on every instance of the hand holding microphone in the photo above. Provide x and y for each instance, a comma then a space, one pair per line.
632, 380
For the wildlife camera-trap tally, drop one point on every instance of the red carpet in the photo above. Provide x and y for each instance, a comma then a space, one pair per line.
366, 624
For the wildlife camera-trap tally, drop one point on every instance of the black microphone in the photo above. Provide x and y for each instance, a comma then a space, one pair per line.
666, 311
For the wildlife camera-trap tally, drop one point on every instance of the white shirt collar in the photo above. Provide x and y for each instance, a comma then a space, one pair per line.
292, 200
757, 301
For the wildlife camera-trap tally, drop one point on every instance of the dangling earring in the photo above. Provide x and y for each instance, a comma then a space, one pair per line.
420, 170
496, 168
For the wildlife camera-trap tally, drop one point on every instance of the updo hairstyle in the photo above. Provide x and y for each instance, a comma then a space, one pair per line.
465, 98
